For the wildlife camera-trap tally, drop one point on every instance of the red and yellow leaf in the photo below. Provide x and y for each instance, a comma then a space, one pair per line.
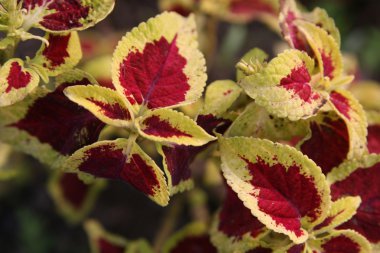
103, 242
350, 110
48, 125
74, 198
165, 125
70, 15
190, 239
63, 53
235, 229
106, 104
16, 82
121, 160
342, 241
284, 189
158, 64
360, 178
284, 86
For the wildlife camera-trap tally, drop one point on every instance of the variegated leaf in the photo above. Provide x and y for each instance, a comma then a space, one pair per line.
360, 178
48, 125
344, 241
63, 53
219, 97
328, 141
61, 16
158, 64
368, 94
350, 110
190, 239
182, 7
106, 104
255, 121
73, 198
341, 211
243, 11
284, 189
234, 228
284, 86
252, 62
16, 82
165, 125
326, 50
103, 242
373, 137
123, 160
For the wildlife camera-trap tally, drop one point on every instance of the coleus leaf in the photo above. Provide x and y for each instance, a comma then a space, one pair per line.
284, 86
368, 94
284, 189
61, 16
48, 125
328, 142
73, 198
219, 97
165, 125
373, 137
192, 238
243, 11
63, 53
341, 211
183, 8
16, 82
103, 242
106, 104
360, 178
344, 241
290, 14
350, 110
234, 228
326, 50
255, 121
158, 64
123, 160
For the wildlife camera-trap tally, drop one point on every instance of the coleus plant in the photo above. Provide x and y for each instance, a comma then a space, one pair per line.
301, 174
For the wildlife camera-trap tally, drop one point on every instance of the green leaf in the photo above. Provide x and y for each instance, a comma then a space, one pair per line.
252, 62
283, 188
165, 125
219, 97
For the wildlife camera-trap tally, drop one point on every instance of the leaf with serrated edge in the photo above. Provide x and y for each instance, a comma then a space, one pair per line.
16, 82
326, 50
158, 64
193, 236
284, 87
165, 125
341, 241
360, 178
253, 168
63, 53
351, 111
219, 97
73, 198
234, 228
255, 121
341, 211
101, 240
106, 104
60, 16
123, 160
47, 125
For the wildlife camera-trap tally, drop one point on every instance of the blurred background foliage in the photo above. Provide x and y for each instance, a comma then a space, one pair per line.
29, 222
